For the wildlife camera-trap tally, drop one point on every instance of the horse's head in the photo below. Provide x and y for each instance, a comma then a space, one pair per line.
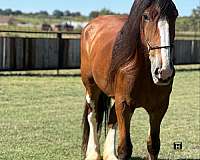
157, 35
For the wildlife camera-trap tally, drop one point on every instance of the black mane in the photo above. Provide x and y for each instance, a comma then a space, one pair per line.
127, 38
166, 6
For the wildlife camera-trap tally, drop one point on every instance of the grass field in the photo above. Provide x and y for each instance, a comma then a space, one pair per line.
40, 119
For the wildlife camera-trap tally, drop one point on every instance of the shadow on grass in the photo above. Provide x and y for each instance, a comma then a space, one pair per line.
187, 70
38, 75
137, 158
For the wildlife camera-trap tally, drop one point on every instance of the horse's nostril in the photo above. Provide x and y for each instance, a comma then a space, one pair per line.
156, 71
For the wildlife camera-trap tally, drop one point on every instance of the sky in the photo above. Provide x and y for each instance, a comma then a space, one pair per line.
86, 6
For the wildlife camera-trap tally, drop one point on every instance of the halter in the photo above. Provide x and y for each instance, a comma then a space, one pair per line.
150, 48
158, 47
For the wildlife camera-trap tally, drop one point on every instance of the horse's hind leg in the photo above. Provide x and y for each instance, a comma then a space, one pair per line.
96, 105
110, 143
93, 148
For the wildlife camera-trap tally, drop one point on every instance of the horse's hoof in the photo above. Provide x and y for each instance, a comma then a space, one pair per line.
110, 157
93, 157
150, 157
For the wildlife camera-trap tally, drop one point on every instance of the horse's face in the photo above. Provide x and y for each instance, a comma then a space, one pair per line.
158, 30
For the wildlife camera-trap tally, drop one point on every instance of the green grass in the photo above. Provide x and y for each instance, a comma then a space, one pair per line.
40, 119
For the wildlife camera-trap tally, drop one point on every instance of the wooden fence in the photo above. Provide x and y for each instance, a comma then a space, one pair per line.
63, 53
187, 51
39, 53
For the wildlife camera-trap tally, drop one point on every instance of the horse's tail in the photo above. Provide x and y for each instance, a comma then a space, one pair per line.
86, 128
102, 107
104, 104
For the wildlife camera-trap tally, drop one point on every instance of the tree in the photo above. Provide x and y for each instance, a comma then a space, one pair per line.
75, 14
43, 13
195, 18
67, 13
58, 13
94, 14
105, 11
8, 12
17, 12
196, 12
184, 24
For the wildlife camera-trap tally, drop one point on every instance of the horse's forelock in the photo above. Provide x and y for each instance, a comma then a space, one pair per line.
166, 7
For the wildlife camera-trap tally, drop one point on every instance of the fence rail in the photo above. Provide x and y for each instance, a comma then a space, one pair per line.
57, 51
62, 51
187, 51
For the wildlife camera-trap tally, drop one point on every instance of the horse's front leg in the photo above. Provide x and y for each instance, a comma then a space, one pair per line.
153, 141
124, 114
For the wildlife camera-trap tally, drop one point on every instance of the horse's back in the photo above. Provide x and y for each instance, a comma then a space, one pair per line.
97, 40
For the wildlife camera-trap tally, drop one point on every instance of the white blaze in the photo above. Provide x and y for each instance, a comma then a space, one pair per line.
163, 26
165, 41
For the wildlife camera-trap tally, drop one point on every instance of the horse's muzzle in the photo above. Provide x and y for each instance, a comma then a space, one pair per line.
163, 77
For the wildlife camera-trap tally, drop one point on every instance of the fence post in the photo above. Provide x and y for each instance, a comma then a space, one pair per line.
4, 52
13, 53
60, 51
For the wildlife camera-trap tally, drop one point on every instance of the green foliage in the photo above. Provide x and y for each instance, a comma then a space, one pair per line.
104, 11
58, 13
196, 12
43, 13
191, 23
67, 13
184, 24
94, 14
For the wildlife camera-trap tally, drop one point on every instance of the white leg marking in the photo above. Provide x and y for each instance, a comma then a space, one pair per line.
110, 144
93, 149
165, 52
112, 101
88, 99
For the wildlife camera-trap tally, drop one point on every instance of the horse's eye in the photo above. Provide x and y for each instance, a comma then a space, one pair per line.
146, 17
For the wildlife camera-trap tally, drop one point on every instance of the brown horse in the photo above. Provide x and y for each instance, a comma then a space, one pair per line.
128, 59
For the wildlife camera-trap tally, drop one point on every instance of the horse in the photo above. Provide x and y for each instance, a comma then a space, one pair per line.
128, 59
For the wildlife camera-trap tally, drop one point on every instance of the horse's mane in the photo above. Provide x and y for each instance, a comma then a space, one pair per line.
126, 42
127, 39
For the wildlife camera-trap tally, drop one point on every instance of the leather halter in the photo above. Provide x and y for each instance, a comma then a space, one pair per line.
158, 47
150, 48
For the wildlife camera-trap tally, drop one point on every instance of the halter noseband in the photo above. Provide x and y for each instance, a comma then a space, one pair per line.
158, 47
